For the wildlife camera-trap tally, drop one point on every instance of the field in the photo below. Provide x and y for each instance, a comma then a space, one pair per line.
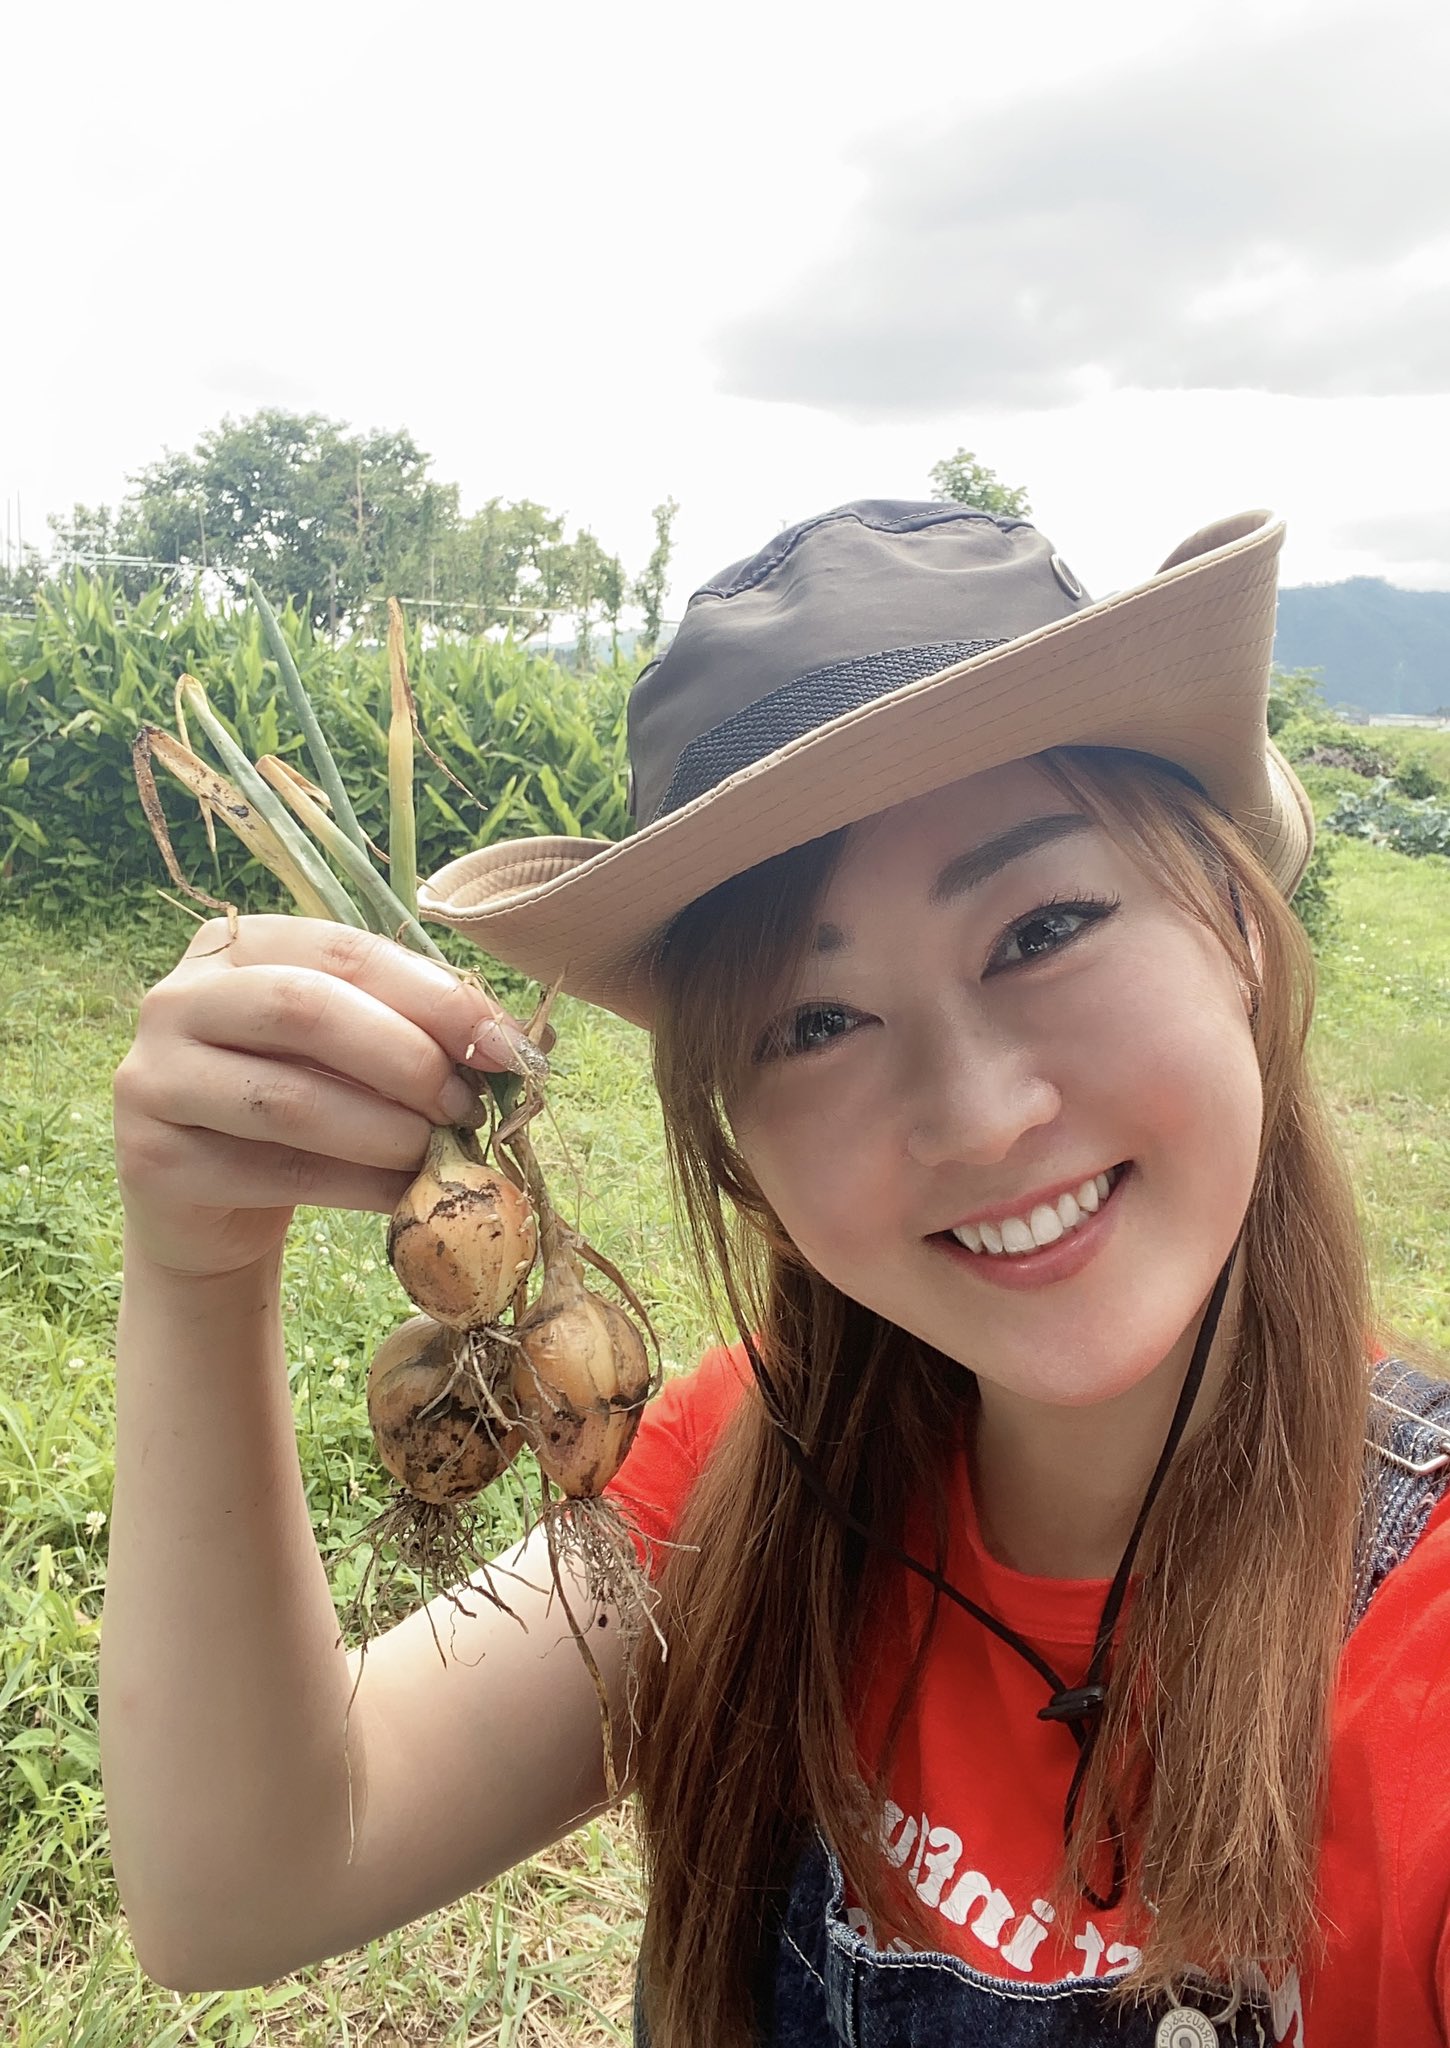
1427, 743
545, 1956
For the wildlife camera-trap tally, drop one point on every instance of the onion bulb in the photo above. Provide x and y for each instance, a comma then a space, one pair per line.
463, 1237
429, 1427
581, 1379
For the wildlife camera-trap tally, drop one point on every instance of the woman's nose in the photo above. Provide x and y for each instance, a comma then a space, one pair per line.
974, 1093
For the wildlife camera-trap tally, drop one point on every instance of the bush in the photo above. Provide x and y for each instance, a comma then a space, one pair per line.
541, 749
1314, 900
1379, 814
1355, 756
1306, 730
1416, 777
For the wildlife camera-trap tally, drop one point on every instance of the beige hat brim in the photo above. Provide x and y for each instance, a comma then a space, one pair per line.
1176, 667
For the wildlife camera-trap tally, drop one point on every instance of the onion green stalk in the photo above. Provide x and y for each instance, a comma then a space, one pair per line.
385, 912
249, 803
301, 703
257, 794
402, 826
208, 822
256, 834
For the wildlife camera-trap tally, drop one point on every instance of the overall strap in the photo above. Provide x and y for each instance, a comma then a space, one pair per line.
1411, 1414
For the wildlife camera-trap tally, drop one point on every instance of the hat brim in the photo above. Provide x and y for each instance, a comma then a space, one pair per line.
1177, 667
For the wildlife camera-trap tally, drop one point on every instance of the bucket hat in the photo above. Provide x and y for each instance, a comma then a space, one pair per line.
867, 656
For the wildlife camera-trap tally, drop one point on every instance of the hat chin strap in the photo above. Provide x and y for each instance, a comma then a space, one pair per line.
1078, 1707
1081, 1706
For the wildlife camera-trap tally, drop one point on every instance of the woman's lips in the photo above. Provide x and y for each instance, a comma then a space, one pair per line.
1049, 1263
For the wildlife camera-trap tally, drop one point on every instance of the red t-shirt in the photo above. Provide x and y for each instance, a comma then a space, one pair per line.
976, 1790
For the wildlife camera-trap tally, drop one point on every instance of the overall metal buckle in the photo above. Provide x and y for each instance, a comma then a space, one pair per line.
1419, 1468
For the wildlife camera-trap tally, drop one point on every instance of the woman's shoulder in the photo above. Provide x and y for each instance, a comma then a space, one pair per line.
693, 1407
1405, 1553
1411, 1601
1393, 1689
1401, 1620
1386, 1848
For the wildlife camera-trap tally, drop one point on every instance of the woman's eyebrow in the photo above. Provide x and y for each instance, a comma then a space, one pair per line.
970, 870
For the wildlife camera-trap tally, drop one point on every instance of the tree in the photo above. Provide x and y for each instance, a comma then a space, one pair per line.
96, 534
968, 482
502, 566
596, 579
332, 519
613, 592
338, 521
648, 590
20, 580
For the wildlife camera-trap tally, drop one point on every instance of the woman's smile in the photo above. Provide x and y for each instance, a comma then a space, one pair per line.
1051, 1240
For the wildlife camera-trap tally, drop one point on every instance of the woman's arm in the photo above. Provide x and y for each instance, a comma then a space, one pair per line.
254, 1827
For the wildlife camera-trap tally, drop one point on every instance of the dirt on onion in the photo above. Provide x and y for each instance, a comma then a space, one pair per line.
463, 1239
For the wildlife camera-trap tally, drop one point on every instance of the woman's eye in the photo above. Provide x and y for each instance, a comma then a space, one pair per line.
807, 1029
1047, 930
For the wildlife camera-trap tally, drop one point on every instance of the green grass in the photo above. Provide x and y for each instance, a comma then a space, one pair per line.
1383, 1051
1409, 742
544, 1956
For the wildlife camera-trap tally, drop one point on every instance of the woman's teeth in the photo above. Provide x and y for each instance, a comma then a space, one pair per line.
1047, 1223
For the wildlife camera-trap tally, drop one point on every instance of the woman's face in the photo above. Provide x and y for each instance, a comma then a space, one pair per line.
998, 1009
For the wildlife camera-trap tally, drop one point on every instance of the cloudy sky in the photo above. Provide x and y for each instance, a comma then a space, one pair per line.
1154, 263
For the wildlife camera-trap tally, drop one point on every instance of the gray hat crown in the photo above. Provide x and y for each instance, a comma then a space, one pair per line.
833, 612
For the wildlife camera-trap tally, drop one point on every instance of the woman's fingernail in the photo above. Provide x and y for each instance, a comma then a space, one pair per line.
460, 1102
496, 1044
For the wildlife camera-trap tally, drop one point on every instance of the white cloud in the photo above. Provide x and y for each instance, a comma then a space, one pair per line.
1253, 213
518, 232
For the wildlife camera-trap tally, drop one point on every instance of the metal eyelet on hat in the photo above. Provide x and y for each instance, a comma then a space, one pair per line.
1185, 2028
1066, 578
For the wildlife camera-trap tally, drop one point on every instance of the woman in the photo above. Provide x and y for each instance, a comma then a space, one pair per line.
1053, 1590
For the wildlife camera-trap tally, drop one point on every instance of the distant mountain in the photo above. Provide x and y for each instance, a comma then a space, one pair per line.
1378, 648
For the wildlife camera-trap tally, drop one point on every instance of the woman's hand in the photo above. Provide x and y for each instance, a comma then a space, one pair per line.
295, 1061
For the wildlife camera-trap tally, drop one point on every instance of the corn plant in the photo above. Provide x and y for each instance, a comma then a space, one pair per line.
530, 747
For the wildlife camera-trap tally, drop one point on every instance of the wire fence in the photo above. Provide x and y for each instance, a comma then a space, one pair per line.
35, 570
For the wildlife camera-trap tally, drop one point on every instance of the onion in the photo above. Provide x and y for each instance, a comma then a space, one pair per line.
463, 1238
430, 1427
581, 1379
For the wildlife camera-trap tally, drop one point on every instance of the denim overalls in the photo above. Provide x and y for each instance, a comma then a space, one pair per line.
823, 1986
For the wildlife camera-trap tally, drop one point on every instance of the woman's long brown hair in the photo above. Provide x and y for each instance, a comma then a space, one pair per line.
1214, 1745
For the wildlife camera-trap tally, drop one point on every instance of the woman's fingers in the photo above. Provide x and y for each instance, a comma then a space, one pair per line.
282, 1015
458, 1017
202, 1165
302, 1109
